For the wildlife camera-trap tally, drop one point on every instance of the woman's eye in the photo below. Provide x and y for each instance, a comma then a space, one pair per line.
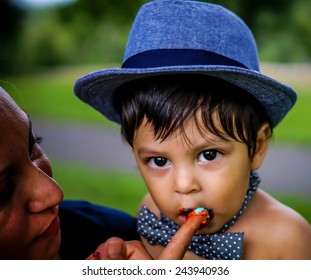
37, 140
208, 155
34, 141
158, 162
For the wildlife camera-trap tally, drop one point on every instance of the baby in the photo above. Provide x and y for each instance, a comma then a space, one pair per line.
198, 116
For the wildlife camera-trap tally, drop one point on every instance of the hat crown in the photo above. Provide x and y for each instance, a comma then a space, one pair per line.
183, 36
192, 25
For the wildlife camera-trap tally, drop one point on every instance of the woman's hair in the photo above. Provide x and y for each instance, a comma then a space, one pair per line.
168, 102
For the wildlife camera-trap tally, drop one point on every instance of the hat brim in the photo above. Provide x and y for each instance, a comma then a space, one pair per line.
98, 88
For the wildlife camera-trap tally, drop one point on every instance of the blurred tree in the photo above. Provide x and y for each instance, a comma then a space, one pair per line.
45, 41
10, 26
282, 27
101, 28
95, 32
86, 32
119, 11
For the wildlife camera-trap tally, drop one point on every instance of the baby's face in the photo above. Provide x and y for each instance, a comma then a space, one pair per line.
193, 171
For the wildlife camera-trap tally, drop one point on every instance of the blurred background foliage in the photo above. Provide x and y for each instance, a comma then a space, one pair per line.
95, 32
44, 50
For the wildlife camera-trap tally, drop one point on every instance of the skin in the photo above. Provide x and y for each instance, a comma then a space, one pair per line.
29, 196
188, 178
210, 172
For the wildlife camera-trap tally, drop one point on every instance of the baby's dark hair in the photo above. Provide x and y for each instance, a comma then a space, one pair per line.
168, 102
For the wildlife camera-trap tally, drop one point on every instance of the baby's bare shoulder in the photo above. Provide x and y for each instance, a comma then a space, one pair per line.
280, 229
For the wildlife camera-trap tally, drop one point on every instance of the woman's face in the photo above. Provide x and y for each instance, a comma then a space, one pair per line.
29, 197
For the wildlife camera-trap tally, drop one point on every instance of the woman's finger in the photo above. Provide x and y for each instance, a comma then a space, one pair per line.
178, 246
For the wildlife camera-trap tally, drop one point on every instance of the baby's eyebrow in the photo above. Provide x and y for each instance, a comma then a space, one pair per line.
144, 150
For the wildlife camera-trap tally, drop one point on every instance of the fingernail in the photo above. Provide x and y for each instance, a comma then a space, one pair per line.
96, 256
114, 252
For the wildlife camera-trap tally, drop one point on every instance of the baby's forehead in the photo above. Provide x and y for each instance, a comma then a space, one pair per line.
192, 131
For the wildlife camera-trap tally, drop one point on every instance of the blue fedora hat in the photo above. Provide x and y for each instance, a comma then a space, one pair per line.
182, 36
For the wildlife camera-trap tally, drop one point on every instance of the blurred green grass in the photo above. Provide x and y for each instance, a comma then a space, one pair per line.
49, 95
122, 190
296, 126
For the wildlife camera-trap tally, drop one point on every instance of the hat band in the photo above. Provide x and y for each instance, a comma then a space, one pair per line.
175, 57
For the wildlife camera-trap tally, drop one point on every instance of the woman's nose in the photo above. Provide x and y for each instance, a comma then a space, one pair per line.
185, 181
43, 191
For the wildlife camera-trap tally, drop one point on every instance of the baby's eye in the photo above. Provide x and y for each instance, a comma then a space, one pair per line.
208, 155
158, 162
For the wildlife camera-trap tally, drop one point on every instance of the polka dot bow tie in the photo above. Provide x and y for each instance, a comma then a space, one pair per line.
218, 246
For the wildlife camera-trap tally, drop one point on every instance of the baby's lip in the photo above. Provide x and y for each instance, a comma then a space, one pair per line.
185, 213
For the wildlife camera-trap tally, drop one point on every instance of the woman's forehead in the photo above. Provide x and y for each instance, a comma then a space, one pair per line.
10, 113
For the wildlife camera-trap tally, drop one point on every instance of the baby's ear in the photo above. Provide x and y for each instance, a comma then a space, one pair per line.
262, 146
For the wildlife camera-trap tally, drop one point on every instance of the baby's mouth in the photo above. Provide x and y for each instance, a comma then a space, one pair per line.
186, 213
